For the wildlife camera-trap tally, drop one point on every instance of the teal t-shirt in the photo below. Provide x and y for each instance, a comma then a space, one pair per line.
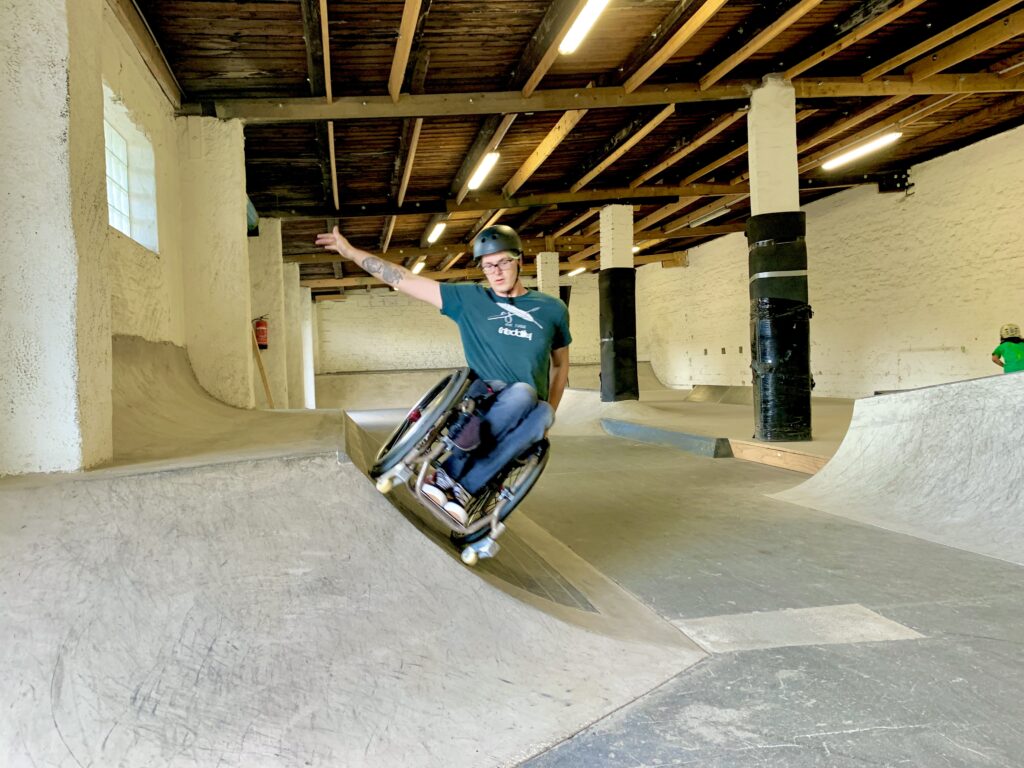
507, 339
1012, 354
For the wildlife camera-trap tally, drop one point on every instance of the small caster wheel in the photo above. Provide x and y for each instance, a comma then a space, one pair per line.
469, 556
385, 484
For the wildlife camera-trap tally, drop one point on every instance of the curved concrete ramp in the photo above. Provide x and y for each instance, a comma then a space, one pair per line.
162, 413
281, 613
944, 463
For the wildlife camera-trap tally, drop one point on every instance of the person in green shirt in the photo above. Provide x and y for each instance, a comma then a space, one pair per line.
1009, 355
515, 340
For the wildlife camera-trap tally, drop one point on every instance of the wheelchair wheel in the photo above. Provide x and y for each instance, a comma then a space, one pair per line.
421, 419
508, 489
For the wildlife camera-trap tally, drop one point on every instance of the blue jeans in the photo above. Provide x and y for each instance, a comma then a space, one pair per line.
515, 420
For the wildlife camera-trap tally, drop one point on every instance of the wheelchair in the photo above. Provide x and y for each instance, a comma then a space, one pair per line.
422, 441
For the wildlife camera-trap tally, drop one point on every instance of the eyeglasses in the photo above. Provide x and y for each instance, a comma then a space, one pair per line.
498, 265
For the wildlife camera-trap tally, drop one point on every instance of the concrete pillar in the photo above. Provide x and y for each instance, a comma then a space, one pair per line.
617, 287
771, 134
266, 276
547, 273
616, 236
308, 360
293, 310
55, 361
218, 309
777, 269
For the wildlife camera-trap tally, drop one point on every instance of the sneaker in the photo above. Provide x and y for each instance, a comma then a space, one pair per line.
435, 494
458, 501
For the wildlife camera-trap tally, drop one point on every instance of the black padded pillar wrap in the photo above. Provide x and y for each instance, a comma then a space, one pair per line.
617, 287
780, 326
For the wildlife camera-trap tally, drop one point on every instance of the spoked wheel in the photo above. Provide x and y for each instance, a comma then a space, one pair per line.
508, 489
420, 419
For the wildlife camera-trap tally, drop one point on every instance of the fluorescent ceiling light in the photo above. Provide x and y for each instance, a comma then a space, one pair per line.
577, 271
636, 249
477, 180
435, 233
418, 266
864, 149
709, 216
581, 26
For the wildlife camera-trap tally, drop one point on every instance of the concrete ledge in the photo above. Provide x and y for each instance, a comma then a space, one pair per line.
712, 447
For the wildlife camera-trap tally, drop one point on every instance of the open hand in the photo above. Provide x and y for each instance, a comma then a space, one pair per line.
334, 241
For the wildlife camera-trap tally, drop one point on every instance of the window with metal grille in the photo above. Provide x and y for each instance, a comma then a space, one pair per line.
118, 198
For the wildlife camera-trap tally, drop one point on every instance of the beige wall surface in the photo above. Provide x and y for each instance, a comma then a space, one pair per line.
267, 279
386, 331
907, 290
147, 296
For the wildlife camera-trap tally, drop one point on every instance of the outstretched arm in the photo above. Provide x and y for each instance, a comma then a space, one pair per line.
559, 376
395, 275
997, 360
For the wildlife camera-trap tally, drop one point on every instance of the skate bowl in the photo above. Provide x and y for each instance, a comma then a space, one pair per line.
218, 608
943, 463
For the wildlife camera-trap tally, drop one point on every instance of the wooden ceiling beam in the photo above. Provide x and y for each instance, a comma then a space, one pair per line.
542, 49
758, 41
939, 39
312, 34
266, 111
676, 40
403, 47
625, 195
855, 36
978, 42
847, 123
901, 119
622, 144
1005, 110
718, 125
1010, 66
401, 171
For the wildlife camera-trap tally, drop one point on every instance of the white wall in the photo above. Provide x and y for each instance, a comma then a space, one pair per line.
147, 293
293, 333
216, 257
907, 291
55, 369
266, 276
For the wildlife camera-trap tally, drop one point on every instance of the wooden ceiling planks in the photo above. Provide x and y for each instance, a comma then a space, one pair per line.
256, 49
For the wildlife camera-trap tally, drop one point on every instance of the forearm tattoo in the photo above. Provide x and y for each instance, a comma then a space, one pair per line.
392, 274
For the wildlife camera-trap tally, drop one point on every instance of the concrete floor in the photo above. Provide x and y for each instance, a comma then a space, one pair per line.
275, 611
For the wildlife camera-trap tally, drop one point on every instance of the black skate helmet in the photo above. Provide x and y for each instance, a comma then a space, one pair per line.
495, 239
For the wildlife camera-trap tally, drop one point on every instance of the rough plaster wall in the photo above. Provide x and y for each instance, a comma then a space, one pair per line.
314, 317
907, 291
385, 331
147, 291
683, 311
584, 311
911, 291
88, 187
293, 332
216, 257
54, 315
266, 277
308, 359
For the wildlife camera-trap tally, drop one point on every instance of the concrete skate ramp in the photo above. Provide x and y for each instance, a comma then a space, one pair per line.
281, 613
162, 413
944, 463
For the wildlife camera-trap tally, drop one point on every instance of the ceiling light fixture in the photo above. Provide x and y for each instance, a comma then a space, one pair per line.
577, 271
581, 26
485, 167
418, 266
864, 149
435, 233
709, 216
636, 249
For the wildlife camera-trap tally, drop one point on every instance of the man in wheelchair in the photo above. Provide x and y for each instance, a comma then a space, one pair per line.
516, 340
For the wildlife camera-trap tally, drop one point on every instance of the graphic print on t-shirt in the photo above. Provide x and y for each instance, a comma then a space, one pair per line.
508, 315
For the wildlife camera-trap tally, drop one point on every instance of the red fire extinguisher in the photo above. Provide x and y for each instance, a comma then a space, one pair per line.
260, 327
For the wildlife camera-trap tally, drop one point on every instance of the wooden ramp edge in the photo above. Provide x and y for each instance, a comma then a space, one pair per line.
776, 456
